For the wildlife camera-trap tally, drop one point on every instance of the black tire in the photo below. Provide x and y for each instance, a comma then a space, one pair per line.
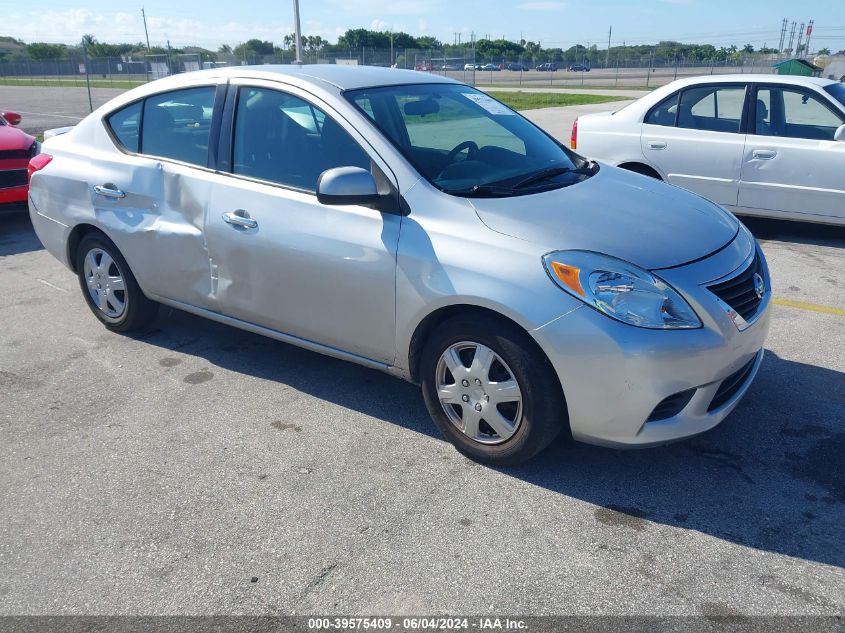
138, 311
544, 413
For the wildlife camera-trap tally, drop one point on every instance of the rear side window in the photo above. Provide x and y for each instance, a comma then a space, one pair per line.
712, 108
125, 124
177, 125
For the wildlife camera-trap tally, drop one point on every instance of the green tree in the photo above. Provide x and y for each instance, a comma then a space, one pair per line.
824, 51
42, 50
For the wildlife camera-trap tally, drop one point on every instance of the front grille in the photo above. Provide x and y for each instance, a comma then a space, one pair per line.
12, 178
731, 385
671, 406
740, 292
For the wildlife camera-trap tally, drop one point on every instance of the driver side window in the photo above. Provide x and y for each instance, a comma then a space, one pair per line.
283, 139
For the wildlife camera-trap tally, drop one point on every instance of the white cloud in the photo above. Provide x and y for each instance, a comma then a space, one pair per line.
68, 27
379, 25
394, 7
542, 6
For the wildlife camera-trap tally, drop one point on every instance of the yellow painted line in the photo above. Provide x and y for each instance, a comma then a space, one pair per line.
813, 307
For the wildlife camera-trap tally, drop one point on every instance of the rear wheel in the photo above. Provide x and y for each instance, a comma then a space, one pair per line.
109, 287
491, 391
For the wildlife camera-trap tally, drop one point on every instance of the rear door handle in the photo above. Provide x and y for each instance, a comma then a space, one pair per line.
657, 144
109, 191
764, 154
240, 219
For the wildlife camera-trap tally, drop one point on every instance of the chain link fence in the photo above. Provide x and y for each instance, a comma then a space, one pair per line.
593, 69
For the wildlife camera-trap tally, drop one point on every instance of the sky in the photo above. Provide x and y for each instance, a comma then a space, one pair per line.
554, 23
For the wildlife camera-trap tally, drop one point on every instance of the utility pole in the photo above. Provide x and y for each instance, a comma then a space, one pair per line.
809, 33
146, 33
607, 57
87, 74
782, 38
800, 37
792, 37
391, 49
298, 32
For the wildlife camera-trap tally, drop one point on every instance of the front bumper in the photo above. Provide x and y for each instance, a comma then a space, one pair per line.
13, 195
614, 375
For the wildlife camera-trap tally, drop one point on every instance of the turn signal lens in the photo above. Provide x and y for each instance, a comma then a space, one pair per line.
568, 276
573, 137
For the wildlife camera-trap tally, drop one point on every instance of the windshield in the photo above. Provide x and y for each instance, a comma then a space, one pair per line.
838, 92
467, 143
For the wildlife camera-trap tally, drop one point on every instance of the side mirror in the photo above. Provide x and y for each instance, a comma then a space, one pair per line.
12, 118
839, 135
347, 185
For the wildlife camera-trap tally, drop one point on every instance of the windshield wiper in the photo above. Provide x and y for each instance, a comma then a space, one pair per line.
482, 191
551, 172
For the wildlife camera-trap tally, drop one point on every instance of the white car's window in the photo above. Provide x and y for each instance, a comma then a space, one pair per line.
712, 108
664, 112
125, 124
805, 116
283, 139
177, 125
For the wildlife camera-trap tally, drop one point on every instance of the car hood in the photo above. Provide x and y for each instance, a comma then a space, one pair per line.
618, 213
12, 138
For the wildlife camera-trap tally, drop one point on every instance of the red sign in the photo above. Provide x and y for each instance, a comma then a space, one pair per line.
809, 30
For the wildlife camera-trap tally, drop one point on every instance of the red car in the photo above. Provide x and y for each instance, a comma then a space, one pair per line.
16, 148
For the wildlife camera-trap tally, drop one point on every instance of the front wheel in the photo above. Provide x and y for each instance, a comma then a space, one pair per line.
109, 287
491, 391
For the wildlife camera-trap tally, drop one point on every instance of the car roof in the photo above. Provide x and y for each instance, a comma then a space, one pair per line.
789, 80
340, 77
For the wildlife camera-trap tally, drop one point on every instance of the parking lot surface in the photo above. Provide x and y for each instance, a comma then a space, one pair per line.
162, 473
198, 469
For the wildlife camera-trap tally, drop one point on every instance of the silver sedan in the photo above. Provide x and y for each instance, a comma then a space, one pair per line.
415, 225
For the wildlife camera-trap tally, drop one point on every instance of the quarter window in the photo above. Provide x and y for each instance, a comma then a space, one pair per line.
284, 139
712, 108
664, 112
177, 125
125, 124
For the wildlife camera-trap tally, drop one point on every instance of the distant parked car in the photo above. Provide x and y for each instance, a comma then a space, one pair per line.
763, 145
578, 68
472, 66
518, 67
490, 67
450, 67
547, 67
16, 148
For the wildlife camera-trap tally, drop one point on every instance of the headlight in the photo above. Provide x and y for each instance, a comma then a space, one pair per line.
620, 290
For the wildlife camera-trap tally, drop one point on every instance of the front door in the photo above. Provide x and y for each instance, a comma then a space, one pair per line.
280, 258
695, 138
792, 164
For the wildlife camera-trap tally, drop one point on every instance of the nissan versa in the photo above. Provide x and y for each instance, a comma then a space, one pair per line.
413, 224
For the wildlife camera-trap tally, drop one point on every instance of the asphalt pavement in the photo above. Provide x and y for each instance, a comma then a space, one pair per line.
198, 469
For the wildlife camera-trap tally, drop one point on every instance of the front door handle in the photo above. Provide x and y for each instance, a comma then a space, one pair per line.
657, 144
764, 154
108, 190
240, 219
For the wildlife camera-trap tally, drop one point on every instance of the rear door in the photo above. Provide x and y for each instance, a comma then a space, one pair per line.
151, 197
792, 165
696, 139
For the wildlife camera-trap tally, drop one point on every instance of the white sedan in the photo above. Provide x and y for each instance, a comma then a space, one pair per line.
764, 145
